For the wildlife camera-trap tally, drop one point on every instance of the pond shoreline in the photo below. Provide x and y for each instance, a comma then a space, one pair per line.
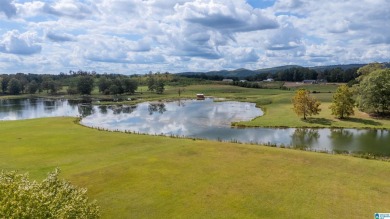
97, 100
368, 156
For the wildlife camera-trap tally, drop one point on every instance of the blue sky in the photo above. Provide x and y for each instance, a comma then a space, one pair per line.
138, 36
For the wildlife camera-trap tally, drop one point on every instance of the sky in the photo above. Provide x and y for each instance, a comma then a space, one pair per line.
138, 36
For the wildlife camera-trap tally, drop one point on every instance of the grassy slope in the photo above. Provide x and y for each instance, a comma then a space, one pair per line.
136, 176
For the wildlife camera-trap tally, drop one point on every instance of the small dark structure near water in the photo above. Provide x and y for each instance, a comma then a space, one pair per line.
200, 97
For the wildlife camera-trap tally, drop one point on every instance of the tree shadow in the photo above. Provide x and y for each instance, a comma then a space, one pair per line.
320, 121
363, 121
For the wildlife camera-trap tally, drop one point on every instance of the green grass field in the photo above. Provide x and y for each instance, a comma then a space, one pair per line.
140, 176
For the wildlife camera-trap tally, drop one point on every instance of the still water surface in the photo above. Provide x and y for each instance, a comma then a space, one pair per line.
200, 119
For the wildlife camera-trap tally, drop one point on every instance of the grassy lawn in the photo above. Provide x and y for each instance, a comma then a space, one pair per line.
140, 176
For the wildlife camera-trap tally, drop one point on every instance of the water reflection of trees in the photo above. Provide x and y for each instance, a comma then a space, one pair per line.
341, 140
304, 138
123, 109
116, 110
13, 105
103, 109
156, 107
181, 103
86, 110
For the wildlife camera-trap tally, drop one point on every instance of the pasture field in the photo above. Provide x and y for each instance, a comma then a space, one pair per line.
141, 176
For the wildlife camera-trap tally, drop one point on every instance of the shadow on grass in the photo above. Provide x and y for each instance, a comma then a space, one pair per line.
363, 121
320, 121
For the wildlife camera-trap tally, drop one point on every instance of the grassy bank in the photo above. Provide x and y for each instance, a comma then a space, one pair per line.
140, 176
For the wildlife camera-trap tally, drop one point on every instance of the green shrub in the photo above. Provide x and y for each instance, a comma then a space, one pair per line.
51, 198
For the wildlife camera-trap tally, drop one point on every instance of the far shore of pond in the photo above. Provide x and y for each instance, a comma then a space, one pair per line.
276, 105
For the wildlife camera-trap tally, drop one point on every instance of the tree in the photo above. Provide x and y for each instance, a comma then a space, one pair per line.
374, 92
53, 86
367, 69
4, 83
14, 86
343, 103
1, 84
104, 85
32, 87
130, 85
51, 198
159, 87
304, 104
85, 84
151, 83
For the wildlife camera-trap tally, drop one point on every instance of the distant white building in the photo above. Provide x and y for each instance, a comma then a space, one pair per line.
269, 80
243, 80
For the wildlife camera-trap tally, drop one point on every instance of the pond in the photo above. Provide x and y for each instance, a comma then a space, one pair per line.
200, 119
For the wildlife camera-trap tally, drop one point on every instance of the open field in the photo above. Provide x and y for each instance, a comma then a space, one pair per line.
140, 176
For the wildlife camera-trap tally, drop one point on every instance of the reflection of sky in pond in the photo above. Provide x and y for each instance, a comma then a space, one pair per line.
184, 118
17, 109
211, 120
200, 119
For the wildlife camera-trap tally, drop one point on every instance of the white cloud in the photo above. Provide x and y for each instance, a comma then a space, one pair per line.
285, 38
59, 37
21, 44
189, 35
68, 8
233, 16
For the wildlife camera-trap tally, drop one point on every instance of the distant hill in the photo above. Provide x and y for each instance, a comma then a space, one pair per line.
243, 73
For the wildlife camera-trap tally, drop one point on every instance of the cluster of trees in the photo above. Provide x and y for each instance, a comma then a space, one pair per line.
51, 198
209, 77
117, 85
155, 85
82, 82
372, 95
307, 105
295, 74
373, 89
298, 74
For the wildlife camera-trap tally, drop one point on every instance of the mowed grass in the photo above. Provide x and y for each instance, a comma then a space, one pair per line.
140, 176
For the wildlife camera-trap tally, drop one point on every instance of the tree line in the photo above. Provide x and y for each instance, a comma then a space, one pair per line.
83, 83
295, 74
298, 74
